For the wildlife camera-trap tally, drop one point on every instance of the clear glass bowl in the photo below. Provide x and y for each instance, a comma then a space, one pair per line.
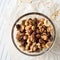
19, 20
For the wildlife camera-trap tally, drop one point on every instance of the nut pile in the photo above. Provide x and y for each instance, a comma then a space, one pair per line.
33, 35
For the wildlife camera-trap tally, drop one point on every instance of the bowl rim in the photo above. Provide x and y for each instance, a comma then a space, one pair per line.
37, 13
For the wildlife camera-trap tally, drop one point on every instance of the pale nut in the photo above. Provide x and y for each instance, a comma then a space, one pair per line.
27, 47
44, 46
27, 22
34, 48
49, 29
25, 37
22, 28
48, 44
34, 44
28, 41
33, 28
28, 27
38, 44
44, 37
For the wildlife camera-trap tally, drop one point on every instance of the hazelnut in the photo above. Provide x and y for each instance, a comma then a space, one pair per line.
42, 20
44, 46
32, 38
28, 27
28, 41
23, 22
41, 40
18, 26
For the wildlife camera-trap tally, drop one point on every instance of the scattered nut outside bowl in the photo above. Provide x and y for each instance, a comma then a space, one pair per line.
33, 33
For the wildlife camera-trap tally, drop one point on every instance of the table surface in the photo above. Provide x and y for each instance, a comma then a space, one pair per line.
10, 10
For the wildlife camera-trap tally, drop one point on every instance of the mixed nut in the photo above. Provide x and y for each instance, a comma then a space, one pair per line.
34, 35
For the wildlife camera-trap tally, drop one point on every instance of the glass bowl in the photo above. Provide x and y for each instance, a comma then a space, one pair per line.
26, 16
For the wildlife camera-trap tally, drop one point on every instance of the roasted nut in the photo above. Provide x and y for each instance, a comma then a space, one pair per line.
34, 48
30, 22
42, 20
27, 47
25, 37
35, 20
44, 46
44, 37
18, 26
41, 40
18, 36
38, 36
34, 44
38, 45
27, 22
48, 44
28, 27
28, 41
37, 31
48, 29
22, 28
23, 22
33, 28
34, 35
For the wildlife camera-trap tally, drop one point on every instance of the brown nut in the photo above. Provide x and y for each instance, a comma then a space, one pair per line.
38, 36
18, 26
42, 20
41, 41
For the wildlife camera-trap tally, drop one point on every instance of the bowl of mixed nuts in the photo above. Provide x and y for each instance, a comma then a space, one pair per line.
33, 33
